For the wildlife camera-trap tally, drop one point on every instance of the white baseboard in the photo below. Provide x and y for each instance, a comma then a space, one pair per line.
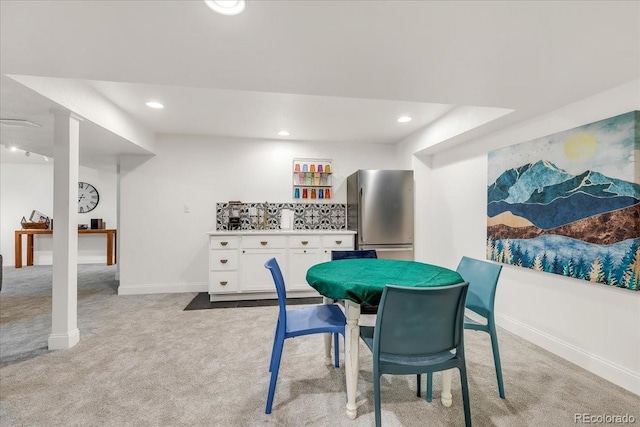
48, 260
64, 341
163, 288
618, 375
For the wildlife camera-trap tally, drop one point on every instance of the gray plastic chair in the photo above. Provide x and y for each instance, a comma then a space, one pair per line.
483, 279
418, 330
367, 253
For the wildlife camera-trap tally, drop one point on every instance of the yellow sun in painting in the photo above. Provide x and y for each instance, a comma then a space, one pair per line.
580, 147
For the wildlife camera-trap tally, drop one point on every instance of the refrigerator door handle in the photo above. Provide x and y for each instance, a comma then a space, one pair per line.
360, 205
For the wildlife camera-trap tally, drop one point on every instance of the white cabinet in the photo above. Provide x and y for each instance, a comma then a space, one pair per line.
336, 242
223, 264
256, 250
304, 252
236, 261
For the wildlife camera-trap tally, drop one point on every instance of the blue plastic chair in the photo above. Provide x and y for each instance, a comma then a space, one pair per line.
418, 330
483, 279
318, 319
367, 253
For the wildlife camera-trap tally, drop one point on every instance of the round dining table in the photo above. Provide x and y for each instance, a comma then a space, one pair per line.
363, 280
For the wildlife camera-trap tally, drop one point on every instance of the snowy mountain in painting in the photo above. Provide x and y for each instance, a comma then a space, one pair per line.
549, 197
543, 182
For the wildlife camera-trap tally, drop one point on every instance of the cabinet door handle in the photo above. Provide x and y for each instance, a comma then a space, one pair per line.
338, 242
224, 261
264, 243
223, 283
305, 251
305, 242
224, 243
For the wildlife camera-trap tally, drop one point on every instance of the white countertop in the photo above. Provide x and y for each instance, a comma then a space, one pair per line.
276, 232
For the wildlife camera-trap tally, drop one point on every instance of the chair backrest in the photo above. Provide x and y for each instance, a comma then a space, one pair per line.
368, 253
273, 266
483, 280
419, 321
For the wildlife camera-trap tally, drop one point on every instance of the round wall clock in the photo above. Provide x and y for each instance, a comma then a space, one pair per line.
88, 197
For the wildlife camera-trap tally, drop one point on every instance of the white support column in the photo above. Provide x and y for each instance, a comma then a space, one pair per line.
64, 304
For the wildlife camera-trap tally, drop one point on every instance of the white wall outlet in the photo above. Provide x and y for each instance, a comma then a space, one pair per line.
186, 209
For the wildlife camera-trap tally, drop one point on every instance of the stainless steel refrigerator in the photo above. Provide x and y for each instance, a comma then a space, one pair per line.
380, 210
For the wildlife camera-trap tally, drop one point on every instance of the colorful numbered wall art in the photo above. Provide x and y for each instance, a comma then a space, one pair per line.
569, 203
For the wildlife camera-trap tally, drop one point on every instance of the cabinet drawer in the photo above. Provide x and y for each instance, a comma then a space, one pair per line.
223, 281
223, 260
258, 242
305, 241
343, 241
223, 242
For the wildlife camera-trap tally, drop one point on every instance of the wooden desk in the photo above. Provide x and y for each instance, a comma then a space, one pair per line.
111, 244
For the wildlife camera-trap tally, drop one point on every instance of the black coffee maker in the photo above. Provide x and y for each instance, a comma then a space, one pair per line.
234, 217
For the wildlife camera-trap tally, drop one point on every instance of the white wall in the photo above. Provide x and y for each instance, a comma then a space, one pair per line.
164, 249
28, 186
592, 325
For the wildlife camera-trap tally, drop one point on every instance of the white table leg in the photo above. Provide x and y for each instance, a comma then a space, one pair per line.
327, 337
351, 338
446, 397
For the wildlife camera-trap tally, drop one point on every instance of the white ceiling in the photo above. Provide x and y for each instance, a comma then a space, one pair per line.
327, 71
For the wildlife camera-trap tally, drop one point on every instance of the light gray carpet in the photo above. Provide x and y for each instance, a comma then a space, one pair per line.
144, 361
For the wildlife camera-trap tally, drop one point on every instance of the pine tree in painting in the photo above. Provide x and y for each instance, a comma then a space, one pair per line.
580, 269
595, 274
490, 248
537, 263
495, 255
499, 248
631, 277
545, 262
626, 262
556, 267
507, 255
609, 269
568, 268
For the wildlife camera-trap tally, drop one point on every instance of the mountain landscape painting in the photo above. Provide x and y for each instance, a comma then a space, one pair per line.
569, 203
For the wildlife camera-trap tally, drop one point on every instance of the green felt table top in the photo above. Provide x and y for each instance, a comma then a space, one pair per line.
363, 279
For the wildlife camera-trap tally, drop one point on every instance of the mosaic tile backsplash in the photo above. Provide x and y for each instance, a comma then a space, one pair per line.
306, 216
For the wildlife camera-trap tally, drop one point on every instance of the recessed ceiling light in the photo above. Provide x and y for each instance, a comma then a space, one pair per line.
154, 104
404, 119
13, 148
226, 7
283, 133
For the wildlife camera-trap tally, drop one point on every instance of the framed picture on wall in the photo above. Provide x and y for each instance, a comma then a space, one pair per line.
569, 203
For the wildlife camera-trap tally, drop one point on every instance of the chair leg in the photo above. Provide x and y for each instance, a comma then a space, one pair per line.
336, 349
275, 339
465, 396
376, 396
496, 358
275, 367
418, 384
429, 386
